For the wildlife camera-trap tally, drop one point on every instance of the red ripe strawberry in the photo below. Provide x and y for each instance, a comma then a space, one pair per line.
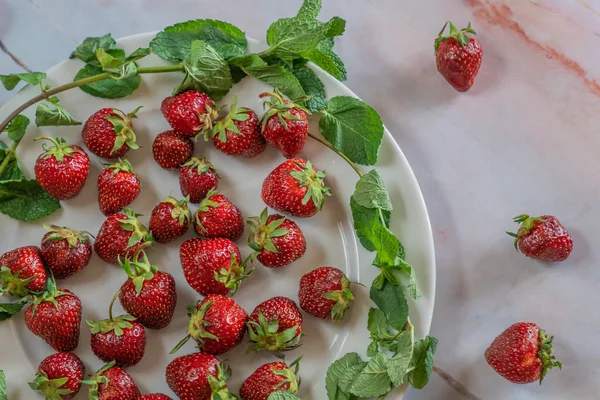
276, 240
285, 125
170, 219
458, 57
213, 266
196, 178
238, 134
118, 187
295, 188
218, 217
22, 271
55, 316
65, 251
325, 293
121, 235
62, 170
190, 112
172, 150
522, 353
542, 238
155, 396
270, 378
217, 324
112, 383
59, 376
121, 339
148, 294
188, 377
109, 133
275, 325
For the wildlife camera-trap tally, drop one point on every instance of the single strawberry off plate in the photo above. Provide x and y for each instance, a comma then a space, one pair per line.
330, 237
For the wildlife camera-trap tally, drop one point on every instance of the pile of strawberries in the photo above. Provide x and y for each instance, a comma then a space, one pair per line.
211, 264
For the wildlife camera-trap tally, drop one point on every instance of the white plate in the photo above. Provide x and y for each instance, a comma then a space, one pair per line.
330, 237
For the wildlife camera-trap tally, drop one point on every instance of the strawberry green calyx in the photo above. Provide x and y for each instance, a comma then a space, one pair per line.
11, 283
72, 236
459, 35
180, 210
139, 231
527, 223
291, 376
263, 233
228, 122
281, 107
60, 150
343, 299
546, 354
232, 278
51, 388
206, 120
109, 325
313, 180
95, 381
218, 383
264, 336
197, 326
120, 166
201, 165
49, 294
205, 205
138, 271
123, 129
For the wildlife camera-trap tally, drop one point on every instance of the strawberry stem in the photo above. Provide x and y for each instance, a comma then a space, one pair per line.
112, 302
323, 142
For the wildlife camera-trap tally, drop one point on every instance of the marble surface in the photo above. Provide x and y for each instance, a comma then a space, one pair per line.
524, 139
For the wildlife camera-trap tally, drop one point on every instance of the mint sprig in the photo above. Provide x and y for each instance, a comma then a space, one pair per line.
32, 78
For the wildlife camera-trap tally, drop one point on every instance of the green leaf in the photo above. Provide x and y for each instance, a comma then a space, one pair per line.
86, 51
422, 362
399, 363
310, 9
13, 170
3, 394
342, 370
392, 302
108, 88
175, 42
138, 54
17, 127
282, 395
378, 324
373, 380
370, 192
372, 349
353, 127
411, 287
120, 66
7, 310
25, 200
206, 71
53, 115
313, 87
32, 78
337, 27
324, 57
365, 222
291, 37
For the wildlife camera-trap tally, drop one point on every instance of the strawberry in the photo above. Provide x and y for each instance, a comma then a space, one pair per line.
275, 325
295, 188
121, 339
542, 238
213, 266
118, 187
112, 383
22, 271
196, 178
172, 150
238, 134
170, 219
155, 396
217, 324
276, 240
65, 251
62, 169
522, 353
199, 376
148, 294
59, 376
190, 112
108, 133
285, 125
218, 217
55, 316
458, 57
269, 378
325, 293
121, 235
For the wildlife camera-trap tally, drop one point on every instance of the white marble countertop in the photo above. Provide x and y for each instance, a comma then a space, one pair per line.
525, 139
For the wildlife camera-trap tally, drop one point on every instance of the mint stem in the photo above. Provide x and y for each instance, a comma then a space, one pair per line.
10, 154
354, 166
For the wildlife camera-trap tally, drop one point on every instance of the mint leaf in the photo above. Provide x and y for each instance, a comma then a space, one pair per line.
138, 54
399, 363
342, 370
53, 115
365, 222
25, 200
86, 51
392, 302
7, 310
108, 88
206, 71
370, 192
313, 87
353, 127
388, 248
13, 170
32, 78
16, 127
372, 349
282, 395
373, 380
422, 362
3, 394
411, 287
337, 27
174, 43
291, 37
310, 9
324, 57
378, 325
